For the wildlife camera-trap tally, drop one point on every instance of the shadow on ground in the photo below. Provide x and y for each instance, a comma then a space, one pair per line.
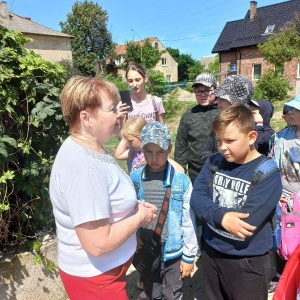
192, 287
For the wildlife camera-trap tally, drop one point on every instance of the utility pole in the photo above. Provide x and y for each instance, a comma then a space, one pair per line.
140, 44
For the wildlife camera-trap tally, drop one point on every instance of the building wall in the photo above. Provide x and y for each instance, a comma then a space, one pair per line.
51, 48
245, 58
170, 69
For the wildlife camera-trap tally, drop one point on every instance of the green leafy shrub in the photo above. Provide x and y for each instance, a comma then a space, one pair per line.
272, 86
118, 81
31, 131
156, 83
172, 104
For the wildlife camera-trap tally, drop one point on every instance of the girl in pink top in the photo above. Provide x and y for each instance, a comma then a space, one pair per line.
144, 105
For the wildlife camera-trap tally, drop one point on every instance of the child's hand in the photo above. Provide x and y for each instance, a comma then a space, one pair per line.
232, 223
257, 116
186, 269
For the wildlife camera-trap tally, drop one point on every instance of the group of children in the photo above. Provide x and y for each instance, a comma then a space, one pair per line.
237, 230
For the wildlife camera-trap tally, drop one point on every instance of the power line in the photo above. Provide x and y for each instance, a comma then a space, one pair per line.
191, 22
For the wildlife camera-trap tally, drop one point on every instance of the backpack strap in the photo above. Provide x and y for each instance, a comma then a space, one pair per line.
154, 104
296, 203
265, 168
216, 162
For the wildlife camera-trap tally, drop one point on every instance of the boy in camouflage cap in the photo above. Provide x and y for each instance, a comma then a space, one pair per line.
178, 237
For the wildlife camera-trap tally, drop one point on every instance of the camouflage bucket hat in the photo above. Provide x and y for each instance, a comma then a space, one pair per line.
235, 89
157, 133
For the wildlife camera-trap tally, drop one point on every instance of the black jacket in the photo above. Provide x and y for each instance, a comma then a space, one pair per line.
194, 127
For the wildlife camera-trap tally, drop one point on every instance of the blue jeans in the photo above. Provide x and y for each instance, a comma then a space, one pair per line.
166, 282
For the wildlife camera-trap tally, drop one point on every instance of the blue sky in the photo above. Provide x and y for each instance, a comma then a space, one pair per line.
192, 26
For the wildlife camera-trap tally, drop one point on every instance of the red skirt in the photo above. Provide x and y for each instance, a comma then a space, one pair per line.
106, 286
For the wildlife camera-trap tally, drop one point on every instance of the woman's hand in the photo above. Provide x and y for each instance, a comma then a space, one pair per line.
147, 213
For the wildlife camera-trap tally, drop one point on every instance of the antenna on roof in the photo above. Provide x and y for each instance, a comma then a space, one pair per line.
11, 6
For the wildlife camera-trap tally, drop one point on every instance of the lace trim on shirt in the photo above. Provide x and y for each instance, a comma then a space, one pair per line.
107, 158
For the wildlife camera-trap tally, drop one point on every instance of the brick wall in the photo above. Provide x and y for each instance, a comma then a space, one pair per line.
245, 58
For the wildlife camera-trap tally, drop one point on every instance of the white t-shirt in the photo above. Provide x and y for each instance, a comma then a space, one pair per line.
87, 186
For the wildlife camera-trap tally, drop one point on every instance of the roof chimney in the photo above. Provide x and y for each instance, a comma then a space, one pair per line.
3, 10
253, 9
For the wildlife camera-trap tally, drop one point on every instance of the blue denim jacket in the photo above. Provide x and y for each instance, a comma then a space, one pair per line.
181, 240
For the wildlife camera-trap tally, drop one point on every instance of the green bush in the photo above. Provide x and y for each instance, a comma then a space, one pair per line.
118, 81
31, 132
156, 83
171, 105
272, 86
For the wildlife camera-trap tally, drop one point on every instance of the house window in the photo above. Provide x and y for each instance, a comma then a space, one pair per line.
256, 71
168, 78
269, 29
233, 68
164, 62
156, 45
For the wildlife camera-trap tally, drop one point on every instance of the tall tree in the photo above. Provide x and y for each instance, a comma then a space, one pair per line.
92, 42
283, 46
185, 61
195, 70
142, 53
280, 48
214, 67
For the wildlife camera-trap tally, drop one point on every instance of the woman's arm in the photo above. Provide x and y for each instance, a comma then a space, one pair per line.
100, 237
122, 152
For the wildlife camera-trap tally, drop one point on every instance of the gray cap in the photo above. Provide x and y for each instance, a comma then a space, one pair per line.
157, 133
206, 79
235, 89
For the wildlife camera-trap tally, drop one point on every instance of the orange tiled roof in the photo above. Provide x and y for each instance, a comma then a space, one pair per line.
121, 49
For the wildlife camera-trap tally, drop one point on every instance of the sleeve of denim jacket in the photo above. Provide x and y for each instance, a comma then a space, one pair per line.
190, 244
